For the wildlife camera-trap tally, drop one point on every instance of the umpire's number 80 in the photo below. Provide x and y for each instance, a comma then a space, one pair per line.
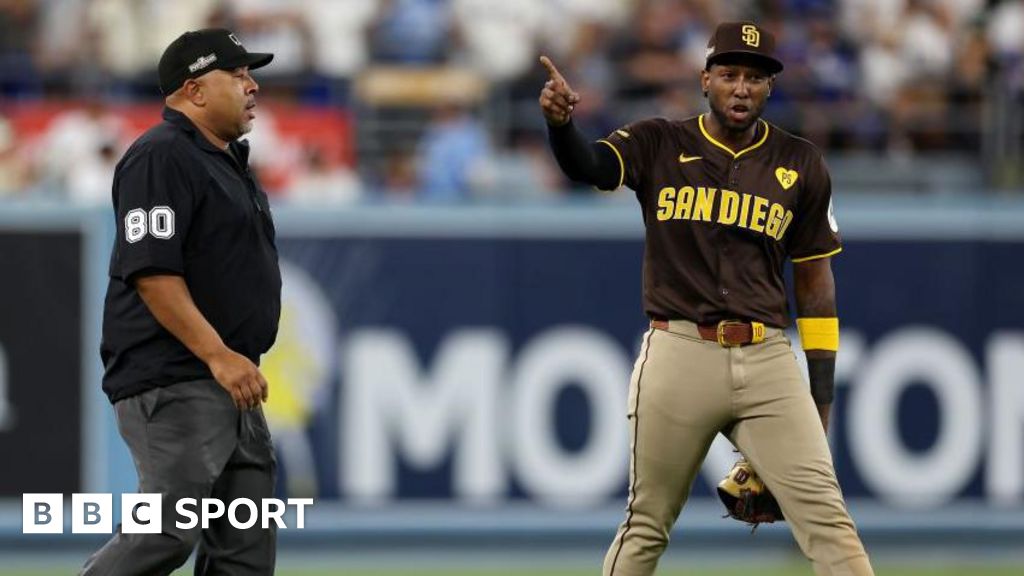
158, 223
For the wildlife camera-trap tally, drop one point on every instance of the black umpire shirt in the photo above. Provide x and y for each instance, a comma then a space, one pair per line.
187, 208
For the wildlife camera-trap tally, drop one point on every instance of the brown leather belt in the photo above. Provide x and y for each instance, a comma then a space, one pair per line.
727, 333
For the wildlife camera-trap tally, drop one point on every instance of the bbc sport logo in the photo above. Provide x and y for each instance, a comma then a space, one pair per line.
143, 514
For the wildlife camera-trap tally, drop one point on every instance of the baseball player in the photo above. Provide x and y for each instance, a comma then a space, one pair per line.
726, 199
194, 299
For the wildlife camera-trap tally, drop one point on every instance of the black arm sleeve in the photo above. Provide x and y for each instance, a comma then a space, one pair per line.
821, 372
583, 160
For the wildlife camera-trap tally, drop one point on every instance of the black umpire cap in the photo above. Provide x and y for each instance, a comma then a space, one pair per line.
195, 53
743, 38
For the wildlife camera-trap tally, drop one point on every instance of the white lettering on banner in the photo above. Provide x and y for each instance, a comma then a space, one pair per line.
591, 360
454, 404
6, 409
934, 359
493, 413
1004, 477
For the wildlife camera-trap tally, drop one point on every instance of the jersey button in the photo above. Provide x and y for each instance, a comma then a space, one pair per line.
725, 291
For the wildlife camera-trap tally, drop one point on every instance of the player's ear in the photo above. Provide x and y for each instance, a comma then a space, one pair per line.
705, 80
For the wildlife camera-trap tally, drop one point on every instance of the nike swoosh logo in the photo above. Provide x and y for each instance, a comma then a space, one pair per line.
683, 158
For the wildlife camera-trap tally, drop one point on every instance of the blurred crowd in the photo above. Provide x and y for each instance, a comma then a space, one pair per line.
441, 94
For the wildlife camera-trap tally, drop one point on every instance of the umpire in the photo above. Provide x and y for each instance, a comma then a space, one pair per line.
192, 303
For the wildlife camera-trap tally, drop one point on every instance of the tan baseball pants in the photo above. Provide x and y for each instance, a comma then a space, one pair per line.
683, 392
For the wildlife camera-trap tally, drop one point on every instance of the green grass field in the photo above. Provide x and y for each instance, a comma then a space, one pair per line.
972, 571
748, 571
882, 571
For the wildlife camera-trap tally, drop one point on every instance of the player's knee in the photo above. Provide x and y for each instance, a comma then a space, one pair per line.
649, 540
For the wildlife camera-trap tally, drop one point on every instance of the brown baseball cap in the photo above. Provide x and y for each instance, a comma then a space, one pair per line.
743, 38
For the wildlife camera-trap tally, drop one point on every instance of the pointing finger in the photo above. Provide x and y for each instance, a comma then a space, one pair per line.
552, 70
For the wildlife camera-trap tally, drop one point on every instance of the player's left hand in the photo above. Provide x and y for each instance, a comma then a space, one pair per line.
746, 498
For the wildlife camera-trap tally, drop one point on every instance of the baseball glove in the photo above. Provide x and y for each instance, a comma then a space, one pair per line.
746, 498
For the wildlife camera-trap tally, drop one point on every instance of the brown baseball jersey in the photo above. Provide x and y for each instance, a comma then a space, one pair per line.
721, 223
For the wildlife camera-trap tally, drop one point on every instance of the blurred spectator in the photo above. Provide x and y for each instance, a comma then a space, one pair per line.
276, 26
339, 44
883, 69
525, 170
399, 179
455, 156
1006, 36
118, 31
971, 71
648, 55
962, 13
564, 20
168, 20
18, 20
412, 31
14, 176
593, 79
821, 67
870, 21
926, 39
888, 75
831, 60
275, 159
698, 21
77, 154
321, 183
499, 36
58, 38
91, 179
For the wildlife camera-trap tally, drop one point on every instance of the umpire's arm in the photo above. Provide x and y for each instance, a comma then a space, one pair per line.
815, 292
169, 300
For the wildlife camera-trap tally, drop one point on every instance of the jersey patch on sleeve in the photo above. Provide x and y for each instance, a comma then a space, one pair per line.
832, 218
158, 223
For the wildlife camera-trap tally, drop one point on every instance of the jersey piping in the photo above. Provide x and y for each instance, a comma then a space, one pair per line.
622, 165
817, 256
700, 121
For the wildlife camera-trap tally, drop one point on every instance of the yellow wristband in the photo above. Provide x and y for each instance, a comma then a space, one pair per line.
818, 333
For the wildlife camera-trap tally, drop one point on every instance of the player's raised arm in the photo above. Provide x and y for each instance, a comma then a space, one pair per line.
578, 157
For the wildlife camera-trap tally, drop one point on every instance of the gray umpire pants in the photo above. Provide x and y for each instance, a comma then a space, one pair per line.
189, 440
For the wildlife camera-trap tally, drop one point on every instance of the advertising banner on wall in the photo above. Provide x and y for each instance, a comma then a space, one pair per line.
495, 369
41, 368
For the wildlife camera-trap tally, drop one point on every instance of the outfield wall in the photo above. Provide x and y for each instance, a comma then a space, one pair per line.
464, 370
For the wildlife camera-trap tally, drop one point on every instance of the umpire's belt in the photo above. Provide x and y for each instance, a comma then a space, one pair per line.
727, 333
